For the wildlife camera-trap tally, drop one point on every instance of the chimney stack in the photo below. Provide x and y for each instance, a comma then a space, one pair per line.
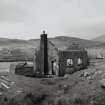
43, 54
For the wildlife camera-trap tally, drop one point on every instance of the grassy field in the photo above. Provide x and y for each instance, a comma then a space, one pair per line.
80, 88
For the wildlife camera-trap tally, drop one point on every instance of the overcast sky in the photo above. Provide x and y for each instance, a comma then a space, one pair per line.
27, 18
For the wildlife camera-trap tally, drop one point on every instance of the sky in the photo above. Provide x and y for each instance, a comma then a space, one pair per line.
26, 19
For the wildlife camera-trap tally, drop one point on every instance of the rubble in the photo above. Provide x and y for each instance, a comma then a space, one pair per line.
90, 74
19, 91
86, 74
102, 83
4, 85
3, 77
66, 75
1, 93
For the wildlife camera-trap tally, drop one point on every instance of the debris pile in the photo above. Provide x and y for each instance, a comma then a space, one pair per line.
102, 83
5, 84
91, 74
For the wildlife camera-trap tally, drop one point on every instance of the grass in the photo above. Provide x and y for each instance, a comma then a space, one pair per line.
72, 90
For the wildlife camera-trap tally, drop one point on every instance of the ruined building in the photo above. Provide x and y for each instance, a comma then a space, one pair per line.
49, 60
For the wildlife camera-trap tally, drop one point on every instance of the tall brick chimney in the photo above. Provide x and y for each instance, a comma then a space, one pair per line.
43, 54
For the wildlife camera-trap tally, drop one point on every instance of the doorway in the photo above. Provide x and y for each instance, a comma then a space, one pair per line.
55, 68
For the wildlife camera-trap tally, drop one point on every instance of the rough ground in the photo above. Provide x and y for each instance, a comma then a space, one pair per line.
80, 88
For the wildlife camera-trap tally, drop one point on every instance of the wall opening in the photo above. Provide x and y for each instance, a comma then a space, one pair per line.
69, 62
55, 68
79, 61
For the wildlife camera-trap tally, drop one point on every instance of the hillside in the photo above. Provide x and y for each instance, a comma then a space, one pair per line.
15, 49
100, 38
64, 42
82, 42
4, 42
60, 41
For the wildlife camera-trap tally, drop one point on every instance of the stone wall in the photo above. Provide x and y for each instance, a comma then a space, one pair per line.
74, 55
52, 55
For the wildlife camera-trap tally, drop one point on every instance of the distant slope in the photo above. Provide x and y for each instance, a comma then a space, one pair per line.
100, 38
4, 42
63, 42
83, 43
15, 49
60, 42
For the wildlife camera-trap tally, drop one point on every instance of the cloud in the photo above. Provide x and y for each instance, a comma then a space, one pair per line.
55, 16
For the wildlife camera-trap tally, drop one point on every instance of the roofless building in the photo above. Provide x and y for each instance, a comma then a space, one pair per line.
49, 60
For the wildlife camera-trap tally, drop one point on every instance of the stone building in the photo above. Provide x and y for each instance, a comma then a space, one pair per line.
49, 60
